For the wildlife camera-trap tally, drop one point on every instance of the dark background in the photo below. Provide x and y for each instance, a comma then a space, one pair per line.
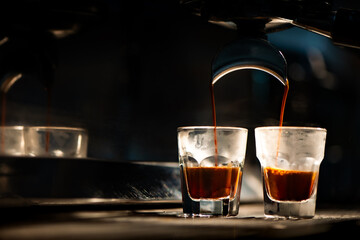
133, 72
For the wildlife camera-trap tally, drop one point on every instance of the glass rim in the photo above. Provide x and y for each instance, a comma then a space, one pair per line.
210, 127
291, 128
17, 127
78, 129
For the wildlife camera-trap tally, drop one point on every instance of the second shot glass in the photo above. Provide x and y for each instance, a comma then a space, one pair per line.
290, 159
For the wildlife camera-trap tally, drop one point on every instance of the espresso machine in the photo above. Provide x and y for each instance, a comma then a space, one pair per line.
130, 73
29, 53
336, 20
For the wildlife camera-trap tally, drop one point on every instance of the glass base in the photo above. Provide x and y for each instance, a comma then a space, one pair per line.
206, 207
289, 210
212, 208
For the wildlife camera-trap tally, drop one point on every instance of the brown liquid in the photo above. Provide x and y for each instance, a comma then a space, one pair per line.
213, 182
289, 185
286, 90
214, 122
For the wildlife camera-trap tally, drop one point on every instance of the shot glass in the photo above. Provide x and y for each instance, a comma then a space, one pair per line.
44, 141
290, 159
12, 141
211, 165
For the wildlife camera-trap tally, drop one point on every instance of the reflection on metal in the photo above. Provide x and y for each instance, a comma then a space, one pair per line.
229, 25
87, 179
9, 81
62, 33
274, 25
242, 67
4, 40
314, 30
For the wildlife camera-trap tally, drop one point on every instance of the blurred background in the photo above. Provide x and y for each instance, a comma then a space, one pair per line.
131, 72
